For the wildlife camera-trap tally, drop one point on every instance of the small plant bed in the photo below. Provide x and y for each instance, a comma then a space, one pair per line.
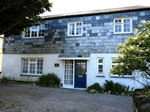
95, 88
110, 88
9, 80
116, 88
49, 80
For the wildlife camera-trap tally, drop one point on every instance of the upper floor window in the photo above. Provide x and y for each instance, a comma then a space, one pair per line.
75, 28
35, 31
122, 25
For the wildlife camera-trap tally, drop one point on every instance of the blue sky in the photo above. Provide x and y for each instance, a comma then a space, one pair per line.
69, 6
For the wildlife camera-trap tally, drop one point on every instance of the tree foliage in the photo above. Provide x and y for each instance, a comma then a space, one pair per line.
16, 15
134, 54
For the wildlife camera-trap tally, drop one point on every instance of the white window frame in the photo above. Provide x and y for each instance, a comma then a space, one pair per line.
29, 66
122, 27
100, 74
116, 75
76, 28
31, 33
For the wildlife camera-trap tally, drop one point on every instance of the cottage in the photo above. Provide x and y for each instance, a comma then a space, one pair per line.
78, 47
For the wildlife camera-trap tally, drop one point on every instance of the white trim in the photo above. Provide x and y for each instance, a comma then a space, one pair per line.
67, 85
29, 65
122, 23
100, 64
116, 75
23, 36
72, 58
73, 73
75, 27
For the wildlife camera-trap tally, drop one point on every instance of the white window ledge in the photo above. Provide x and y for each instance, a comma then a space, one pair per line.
100, 76
125, 76
33, 75
31, 37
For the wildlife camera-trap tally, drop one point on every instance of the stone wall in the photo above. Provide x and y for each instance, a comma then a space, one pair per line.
98, 36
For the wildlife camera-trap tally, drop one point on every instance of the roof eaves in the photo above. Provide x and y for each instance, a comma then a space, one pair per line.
93, 12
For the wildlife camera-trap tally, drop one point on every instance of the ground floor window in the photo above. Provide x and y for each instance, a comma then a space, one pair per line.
32, 66
100, 66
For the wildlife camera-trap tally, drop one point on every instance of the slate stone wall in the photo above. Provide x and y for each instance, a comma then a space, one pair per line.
98, 36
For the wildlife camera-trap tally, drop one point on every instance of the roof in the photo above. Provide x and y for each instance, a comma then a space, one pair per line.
95, 12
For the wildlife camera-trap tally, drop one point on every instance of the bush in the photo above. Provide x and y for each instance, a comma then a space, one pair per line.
95, 86
49, 79
4, 79
115, 87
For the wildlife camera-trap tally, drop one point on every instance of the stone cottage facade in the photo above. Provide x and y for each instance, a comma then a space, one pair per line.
78, 47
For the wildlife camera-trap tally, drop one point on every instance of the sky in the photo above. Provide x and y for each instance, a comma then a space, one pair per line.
69, 6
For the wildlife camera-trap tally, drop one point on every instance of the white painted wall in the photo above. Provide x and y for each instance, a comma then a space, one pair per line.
93, 71
12, 64
12, 67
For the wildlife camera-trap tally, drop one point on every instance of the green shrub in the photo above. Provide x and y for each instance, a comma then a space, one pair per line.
95, 86
4, 79
108, 85
115, 87
49, 79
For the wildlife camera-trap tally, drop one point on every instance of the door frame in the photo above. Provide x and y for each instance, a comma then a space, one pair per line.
85, 74
73, 86
65, 85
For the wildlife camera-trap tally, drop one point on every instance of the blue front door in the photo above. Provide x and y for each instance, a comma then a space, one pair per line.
80, 74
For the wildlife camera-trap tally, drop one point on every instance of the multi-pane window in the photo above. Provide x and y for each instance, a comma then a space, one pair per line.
75, 28
100, 66
32, 66
68, 78
35, 31
123, 25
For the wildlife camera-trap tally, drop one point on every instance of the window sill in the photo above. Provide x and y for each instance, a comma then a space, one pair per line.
74, 35
100, 76
125, 77
32, 37
123, 33
36, 75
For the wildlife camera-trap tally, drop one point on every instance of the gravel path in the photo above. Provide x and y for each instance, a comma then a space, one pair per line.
28, 98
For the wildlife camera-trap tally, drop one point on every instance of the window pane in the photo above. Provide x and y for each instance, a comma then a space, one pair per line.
78, 31
34, 34
71, 29
100, 61
117, 28
41, 30
83, 69
126, 25
39, 66
32, 68
25, 66
27, 32
118, 21
78, 24
32, 60
100, 69
34, 27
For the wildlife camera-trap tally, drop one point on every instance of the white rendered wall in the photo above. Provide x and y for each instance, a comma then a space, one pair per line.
12, 64
93, 71
12, 67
